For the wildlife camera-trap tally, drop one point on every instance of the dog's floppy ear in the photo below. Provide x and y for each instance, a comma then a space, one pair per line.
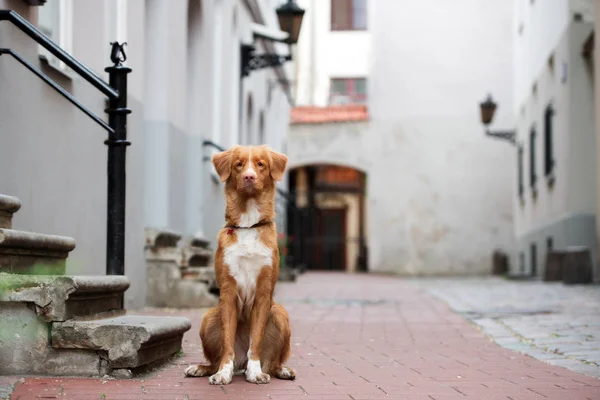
222, 163
278, 164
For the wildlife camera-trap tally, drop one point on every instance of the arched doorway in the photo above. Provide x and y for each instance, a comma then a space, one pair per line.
326, 218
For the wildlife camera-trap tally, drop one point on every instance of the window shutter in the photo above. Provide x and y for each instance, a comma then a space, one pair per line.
520, 171
341, 14
532, 176
548, 159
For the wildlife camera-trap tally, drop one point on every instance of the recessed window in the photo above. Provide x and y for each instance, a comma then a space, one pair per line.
348, 91
548, 156
348, 15
532, 174
549, 243
520, 172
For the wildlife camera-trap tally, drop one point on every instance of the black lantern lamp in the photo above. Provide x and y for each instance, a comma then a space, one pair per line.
290, 20
290, 17
488, 108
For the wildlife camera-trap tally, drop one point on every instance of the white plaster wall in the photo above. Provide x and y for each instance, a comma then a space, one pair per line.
582, 154
450, 204
439, 192
597, 117
324, 54
551, 201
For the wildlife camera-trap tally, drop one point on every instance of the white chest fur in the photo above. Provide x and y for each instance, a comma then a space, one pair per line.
245, 260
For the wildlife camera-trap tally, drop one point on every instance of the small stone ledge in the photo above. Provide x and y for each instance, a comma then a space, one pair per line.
35, 243
197, 241
125, 338
195, 257
58, 298
161, 238
9, 204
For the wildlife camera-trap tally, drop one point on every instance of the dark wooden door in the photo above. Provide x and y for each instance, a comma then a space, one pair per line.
331, 241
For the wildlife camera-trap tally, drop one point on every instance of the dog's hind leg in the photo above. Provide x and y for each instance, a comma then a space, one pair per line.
210, 335
276, 347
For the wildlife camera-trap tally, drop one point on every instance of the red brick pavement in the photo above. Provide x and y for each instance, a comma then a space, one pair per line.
355, 337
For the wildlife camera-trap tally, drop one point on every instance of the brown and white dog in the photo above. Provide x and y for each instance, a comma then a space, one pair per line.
247, 330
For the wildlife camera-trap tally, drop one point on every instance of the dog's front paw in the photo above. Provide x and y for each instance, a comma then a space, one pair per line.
259, 378
220, 378
223, 375
254, 373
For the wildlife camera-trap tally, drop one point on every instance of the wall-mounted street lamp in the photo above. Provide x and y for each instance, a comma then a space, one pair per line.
488, 108
290, 20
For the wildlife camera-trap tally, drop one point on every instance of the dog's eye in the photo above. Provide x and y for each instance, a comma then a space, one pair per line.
239, 164
260, 164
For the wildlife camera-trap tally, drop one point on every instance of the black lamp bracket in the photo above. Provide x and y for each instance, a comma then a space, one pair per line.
504, 135
251, 61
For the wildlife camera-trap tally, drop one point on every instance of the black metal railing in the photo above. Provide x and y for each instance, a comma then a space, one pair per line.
116, 91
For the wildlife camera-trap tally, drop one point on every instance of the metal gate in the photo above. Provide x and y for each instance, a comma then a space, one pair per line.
320, 239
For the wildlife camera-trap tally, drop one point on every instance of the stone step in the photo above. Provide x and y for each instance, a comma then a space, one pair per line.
8, 206
202, 274
130, 341
60, 298
33, 253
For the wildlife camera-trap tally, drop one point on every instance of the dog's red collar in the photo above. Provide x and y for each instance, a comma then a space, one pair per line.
232, 228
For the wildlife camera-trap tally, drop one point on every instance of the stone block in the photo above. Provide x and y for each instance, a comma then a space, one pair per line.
25, 347
554, 266
178, 277
577, 267
161, 280
167, 288
129, 341
59, 298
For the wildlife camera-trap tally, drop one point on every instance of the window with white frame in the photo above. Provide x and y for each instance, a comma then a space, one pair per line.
56, 22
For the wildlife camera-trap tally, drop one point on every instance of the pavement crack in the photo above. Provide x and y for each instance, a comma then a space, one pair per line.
543, 395
365, 379
458, 390
304, 391
380, 388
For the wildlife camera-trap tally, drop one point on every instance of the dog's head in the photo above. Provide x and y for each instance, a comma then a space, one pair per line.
250, 169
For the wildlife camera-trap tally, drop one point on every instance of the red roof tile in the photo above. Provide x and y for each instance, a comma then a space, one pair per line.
321, 115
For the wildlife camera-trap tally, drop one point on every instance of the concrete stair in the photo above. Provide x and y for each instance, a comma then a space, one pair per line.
27, 252
180, 273
54, 324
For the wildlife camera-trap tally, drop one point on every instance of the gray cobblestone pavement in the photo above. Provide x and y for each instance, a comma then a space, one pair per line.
552, 322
